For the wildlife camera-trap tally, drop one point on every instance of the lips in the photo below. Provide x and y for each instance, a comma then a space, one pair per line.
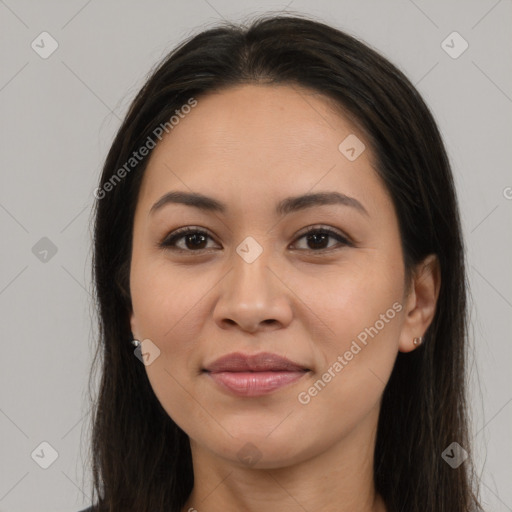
254, 375
263, 362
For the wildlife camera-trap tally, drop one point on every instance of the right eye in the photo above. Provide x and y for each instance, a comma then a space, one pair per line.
194, 240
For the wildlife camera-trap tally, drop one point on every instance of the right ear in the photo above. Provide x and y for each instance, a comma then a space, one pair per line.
133, 325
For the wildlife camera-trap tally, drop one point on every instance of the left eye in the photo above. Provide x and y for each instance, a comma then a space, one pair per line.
318, 236
196, 239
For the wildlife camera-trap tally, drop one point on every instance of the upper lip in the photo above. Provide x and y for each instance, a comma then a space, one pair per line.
264, 361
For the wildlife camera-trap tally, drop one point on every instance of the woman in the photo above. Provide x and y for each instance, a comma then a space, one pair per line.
280, 277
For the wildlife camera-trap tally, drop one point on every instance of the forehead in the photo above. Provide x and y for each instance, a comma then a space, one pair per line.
259, 115
267, 139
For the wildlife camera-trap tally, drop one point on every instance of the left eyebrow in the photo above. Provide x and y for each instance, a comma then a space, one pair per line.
284, 207
293, 204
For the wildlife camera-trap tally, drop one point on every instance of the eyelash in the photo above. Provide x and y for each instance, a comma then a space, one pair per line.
169, 242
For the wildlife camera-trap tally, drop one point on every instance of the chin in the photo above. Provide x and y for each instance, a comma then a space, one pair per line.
252, 447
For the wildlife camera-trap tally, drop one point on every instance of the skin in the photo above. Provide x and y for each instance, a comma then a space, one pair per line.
250, 146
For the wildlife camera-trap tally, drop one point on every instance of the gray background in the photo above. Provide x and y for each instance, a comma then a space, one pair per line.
58, 118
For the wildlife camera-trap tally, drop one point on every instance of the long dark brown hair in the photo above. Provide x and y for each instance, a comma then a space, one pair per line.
141, 460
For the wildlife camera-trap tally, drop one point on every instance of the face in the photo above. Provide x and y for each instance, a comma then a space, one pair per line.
320, 283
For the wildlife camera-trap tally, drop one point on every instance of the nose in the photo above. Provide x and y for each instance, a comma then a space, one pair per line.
253, 297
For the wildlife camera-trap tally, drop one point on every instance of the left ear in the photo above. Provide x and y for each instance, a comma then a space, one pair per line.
421, 302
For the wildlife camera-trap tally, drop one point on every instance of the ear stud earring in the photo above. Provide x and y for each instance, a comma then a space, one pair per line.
417, 341
135, 343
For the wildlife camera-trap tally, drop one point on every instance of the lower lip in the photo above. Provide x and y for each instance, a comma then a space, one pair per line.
255, 383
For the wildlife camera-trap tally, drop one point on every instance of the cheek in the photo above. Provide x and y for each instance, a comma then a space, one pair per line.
165, 299
356, 296
357, 360
363, 309
166, 303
